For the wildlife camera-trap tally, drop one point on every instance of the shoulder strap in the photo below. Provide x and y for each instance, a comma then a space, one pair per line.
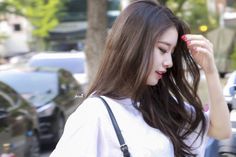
123, 146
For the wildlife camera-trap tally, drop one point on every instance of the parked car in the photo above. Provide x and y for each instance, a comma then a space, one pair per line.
51, 91
223, 148
230, 91
74, 62
18, 125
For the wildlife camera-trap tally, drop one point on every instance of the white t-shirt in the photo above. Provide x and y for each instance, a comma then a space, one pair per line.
89, 133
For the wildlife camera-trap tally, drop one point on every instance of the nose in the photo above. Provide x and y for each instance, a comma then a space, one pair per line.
168, 61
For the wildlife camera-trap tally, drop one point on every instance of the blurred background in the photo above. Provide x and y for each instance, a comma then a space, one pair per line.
49, 53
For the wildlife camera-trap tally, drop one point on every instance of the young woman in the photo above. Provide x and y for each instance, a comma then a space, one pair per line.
148, 56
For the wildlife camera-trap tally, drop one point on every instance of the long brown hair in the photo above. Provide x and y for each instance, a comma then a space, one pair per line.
127, 62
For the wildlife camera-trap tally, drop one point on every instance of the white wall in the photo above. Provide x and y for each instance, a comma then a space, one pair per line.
16, 41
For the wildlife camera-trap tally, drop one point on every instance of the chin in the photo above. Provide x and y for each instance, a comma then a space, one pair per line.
153, 83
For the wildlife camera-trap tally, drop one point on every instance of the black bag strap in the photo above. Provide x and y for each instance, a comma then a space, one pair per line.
123, 146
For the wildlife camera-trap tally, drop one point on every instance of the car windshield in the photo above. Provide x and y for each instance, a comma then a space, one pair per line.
31, 83
74, 65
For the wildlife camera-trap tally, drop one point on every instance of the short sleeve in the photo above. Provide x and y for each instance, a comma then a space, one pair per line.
80, 136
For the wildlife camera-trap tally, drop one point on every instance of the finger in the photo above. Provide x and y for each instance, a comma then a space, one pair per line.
190, 37
194, 37
196, 40
211, 45
200, 43
196, 50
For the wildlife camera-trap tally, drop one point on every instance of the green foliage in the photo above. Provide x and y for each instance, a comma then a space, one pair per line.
194, 12
175, 5
2, 37
40, 13
233, 58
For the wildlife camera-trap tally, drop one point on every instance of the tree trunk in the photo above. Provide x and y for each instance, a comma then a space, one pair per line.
96, 34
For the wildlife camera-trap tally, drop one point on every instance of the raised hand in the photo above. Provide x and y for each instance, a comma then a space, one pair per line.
201, 50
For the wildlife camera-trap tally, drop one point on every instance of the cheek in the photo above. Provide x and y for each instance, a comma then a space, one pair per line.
156, 59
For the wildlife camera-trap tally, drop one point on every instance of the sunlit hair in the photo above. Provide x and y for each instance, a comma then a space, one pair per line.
127, 62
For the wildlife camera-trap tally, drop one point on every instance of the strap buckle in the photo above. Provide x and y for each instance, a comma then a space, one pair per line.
125, 150
124, 147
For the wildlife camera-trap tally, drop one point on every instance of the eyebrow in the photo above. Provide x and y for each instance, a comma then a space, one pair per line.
166, 43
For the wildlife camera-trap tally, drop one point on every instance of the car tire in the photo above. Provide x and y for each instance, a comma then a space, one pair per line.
59, 128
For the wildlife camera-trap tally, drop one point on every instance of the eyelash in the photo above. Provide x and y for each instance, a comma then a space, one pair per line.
162, 50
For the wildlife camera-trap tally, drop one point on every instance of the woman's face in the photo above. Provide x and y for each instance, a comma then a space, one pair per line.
162, 55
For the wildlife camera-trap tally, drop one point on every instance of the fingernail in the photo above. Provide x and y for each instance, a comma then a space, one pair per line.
183, 37
188, 42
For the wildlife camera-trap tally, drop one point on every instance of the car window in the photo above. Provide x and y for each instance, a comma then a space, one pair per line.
74, 65
35, 82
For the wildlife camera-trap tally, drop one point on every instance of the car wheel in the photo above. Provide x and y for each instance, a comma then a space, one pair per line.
34, 148
60, 127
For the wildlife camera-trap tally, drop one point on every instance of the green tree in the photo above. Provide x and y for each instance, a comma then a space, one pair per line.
42, 14
194, 12
233, 59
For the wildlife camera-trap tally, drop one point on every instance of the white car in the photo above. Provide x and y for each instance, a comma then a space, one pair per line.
74, 62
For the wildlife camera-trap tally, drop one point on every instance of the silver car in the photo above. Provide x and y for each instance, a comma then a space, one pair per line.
74, 62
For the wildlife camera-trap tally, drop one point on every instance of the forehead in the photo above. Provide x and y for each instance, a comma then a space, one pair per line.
170, 37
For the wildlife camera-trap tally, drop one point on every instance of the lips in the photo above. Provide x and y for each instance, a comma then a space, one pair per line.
159, 74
